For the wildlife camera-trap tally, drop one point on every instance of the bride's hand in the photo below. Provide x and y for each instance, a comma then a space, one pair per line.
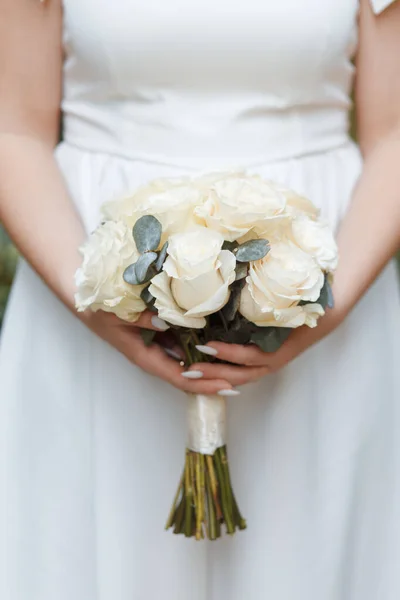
249, 363
126, 338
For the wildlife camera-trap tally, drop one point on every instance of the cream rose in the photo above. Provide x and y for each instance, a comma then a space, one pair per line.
172, 202
237, 204
277, 283
316, 238
106, 254
195, 279
293, 317
297, 205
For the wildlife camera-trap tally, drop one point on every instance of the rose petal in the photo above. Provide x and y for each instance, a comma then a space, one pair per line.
167, 307
221, 296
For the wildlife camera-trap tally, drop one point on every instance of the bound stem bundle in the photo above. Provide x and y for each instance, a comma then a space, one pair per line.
204, 500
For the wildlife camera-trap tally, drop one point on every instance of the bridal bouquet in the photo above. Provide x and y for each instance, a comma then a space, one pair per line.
227, 257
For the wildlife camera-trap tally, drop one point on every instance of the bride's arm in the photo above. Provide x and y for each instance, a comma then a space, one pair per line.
34, 202
370, 233
35, 206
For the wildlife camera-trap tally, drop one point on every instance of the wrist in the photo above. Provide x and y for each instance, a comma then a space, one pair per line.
64, 284
344, 300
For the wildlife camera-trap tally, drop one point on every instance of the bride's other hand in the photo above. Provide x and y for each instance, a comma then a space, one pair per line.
254, 363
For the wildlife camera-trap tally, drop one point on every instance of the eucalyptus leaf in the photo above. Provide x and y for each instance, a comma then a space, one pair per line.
270, 339
242, 270
142, 266
326, 296
236, 324
238, 337
252, 250
231, 246
230, 309
329, 292
147, 233
245, 325
130, 275
161, 257
231, 336
148, 336
147, 297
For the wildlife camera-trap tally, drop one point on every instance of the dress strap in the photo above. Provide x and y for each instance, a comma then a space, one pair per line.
379, 5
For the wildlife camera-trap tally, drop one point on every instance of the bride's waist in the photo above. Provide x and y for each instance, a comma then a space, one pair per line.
202, 142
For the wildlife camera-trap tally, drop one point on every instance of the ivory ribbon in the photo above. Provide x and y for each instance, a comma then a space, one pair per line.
207, 423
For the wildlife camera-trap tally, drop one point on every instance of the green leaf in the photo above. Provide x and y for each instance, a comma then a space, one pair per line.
161, 257
147, 233
326, 296
148, 336
330, 299
230, 309
242, 270
252, 250
231, 336
270, 339
130, 275
242, 324
146, 296
231, 246
143, 264
236, 337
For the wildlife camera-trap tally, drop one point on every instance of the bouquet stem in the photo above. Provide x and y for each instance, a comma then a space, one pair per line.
205, 499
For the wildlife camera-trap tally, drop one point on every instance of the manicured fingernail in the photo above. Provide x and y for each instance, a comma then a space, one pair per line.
229, 393
159, 324
192, 374
207, 350
172, 354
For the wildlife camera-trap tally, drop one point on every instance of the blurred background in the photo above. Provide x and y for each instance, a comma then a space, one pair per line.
8, 261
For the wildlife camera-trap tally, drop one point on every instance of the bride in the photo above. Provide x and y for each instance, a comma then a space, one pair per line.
92, 429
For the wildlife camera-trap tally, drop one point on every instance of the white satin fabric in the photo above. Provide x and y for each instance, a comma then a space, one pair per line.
379, 5
91, 448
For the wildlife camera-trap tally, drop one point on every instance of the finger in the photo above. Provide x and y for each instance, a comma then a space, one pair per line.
153, 360
149, 320
208, 387
176, 352
235, 375
170, 370
168, 343
249, 355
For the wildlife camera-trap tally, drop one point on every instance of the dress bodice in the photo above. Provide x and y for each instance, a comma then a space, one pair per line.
208, 81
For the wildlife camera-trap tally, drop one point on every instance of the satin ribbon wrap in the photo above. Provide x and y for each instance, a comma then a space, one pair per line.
207, 423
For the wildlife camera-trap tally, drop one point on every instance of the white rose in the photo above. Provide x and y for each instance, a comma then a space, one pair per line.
172, 202
293, 317
316, 238
277, 283
207, 180
195, 279
237, 204
297, 205
106, 254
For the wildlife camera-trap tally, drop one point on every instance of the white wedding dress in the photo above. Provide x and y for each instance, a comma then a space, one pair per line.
91, 448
